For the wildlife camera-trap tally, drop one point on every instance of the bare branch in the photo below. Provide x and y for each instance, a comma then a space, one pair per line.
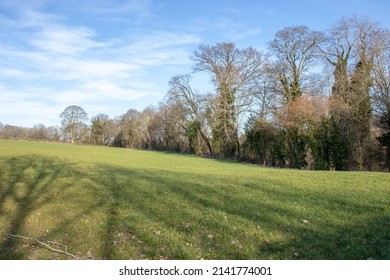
46, 245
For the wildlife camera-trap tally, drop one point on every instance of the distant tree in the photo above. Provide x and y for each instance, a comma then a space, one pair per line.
54, 134
129, 130
84, 134
147, 127
39, 132
73, 122
14, 132
172, 132
102, 130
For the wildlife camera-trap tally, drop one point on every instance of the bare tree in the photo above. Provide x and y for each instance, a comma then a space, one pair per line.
295, 50
350, 47
39, 132
54, 133
370, 41
14, 132
231, 69
73, 121
129, 129
336, 48
263, 97
181, 91
146, 127
381, 99
172, 127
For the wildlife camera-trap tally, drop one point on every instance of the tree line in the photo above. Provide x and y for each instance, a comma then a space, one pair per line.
315, 100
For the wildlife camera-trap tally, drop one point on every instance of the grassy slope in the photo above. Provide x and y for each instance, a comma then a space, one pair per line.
124, 204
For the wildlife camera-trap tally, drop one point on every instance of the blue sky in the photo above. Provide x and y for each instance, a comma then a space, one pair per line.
109, 55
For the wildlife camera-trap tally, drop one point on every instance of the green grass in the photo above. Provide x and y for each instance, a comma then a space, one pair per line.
110, 203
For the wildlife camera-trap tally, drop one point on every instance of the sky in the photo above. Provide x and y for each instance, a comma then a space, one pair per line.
108, 56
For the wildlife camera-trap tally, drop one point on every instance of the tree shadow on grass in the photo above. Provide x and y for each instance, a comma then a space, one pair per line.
31, 188
109, 212
24, 187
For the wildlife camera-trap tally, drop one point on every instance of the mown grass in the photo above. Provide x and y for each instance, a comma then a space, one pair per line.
108, 203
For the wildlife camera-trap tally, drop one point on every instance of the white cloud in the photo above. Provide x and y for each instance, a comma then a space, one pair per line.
161, 39
49, 64
32, 105
25, 107
90, 70
29, 113
13, 73
26, 17
158, 48
63, 40
97, 91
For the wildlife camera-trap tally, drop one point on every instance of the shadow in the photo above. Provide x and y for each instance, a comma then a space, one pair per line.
25, 186
30, 189
109, 212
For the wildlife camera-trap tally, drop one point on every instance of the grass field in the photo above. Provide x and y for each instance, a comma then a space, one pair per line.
108, 203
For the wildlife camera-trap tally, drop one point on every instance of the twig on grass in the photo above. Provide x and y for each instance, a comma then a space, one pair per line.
46, 245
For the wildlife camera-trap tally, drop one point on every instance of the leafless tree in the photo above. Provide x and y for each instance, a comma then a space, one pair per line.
381, 99
54, 133
336, 48
182, 92
231, 69
129, 129
350, 47
39, 132
146, 127
171, 130
262, 93
295, 51
73, 122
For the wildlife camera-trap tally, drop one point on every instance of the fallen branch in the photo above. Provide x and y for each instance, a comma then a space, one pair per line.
45, 245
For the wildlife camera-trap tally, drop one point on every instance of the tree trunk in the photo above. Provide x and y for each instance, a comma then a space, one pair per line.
206, 140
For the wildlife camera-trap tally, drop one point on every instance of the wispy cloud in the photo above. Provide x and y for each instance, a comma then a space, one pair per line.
27, 106
63, 40
158, 47
49, 64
